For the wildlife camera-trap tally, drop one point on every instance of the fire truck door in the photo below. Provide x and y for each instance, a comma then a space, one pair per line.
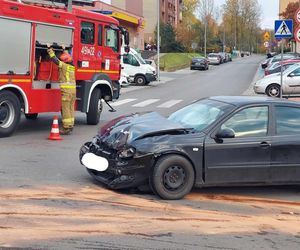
110, 59
87, 57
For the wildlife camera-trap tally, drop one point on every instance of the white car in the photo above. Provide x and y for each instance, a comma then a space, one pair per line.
270, 85
124, 79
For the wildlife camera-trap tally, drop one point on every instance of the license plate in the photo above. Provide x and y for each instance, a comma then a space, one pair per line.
94, 162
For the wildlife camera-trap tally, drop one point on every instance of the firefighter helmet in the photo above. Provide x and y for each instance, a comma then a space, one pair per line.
66, 58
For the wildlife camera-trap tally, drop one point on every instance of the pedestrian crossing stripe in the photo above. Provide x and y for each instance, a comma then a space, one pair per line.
283, 28
166, 104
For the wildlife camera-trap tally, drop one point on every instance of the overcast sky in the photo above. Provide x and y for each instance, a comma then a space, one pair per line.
270, 10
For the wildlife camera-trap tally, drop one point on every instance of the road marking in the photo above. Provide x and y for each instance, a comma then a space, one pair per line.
118, 103
169, 104
145, 103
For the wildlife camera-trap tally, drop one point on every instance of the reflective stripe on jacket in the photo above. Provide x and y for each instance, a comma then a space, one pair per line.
66, 71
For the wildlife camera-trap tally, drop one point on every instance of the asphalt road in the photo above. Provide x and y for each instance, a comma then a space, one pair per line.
48, 200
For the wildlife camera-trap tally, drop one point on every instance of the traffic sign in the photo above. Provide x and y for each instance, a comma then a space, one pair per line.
266, 36
297, 16
266, 44
297, 34
283, 28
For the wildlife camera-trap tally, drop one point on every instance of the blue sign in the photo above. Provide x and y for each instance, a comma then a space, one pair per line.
283, 29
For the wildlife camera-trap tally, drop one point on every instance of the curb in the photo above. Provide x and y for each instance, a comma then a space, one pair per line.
257, 76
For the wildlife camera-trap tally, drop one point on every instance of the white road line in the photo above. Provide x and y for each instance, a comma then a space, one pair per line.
169, 104
121, 102
145, 103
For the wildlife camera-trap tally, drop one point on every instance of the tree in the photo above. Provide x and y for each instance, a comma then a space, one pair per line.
189, 30
289, 12
241, 19
168, 38
205, 9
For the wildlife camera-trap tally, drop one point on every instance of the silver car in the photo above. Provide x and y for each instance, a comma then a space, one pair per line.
214, 58
270, 85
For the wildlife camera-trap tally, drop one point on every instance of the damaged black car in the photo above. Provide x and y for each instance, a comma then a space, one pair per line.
212, 142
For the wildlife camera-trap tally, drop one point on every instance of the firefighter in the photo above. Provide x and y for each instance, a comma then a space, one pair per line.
67, 87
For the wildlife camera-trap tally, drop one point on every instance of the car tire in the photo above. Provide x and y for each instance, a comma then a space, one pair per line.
31, 116
10, 113
95, 108
273, 90
140, 80
173, 177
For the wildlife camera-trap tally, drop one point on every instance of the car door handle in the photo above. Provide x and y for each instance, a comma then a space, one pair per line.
265, 144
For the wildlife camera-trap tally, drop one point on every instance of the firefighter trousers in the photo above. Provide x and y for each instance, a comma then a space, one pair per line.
68, 97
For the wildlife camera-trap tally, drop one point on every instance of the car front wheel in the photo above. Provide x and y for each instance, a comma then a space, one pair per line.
173, 177
273, 90
140, 80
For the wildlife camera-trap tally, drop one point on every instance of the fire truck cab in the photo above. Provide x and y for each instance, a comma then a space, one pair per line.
28, 78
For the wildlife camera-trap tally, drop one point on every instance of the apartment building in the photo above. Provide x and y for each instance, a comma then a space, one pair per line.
170, 12
131, 18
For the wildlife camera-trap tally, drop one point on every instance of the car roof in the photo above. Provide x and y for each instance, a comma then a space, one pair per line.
245, 100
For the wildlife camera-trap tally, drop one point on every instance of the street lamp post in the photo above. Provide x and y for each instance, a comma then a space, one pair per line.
158, 39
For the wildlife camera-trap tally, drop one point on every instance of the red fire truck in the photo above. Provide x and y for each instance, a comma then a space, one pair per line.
28, 78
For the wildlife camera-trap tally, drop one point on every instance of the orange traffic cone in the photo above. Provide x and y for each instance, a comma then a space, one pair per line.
54, 134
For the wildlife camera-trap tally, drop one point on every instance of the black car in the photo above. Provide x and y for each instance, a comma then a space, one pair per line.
216, 141
199, 63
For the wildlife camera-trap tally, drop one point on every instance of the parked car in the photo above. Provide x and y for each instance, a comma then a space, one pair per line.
277, 58
214, 58
223, 57
276, 67
199, 63
217, 141
139, 71
270, 85
229, 57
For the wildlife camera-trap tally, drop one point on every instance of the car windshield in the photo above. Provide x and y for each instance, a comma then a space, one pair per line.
199, 115
139, 58
197, 59
212, 55
292, 68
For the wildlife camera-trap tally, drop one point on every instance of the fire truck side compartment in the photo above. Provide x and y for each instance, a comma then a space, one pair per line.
15, 46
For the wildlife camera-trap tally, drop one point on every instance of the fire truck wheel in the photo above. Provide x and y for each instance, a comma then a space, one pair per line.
31, 116
95, 109
10, 113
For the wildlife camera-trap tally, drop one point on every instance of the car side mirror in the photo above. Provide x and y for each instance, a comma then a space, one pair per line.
292, 74
225, 133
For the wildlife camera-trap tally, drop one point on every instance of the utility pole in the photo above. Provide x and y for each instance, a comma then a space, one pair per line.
158, 39
205, 35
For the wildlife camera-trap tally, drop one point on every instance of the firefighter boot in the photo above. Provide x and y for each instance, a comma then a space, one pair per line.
66, 131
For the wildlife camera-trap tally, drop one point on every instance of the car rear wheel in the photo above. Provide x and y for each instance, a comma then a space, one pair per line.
173, 177
273, 90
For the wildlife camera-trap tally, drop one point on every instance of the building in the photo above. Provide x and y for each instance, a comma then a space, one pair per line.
282, 6
131, 19
284, 3
170, 12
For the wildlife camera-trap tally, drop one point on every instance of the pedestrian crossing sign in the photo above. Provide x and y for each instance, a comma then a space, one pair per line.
283, 28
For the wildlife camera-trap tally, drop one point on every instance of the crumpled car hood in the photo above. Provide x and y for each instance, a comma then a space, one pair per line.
126, 129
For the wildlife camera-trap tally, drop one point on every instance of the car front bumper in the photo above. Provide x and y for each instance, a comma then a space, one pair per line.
150, 77
121, 173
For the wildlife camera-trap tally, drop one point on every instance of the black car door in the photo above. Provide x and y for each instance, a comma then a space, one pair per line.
245, 158
285, 151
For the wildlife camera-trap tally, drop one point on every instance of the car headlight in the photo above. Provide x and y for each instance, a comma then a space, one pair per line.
127, 153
